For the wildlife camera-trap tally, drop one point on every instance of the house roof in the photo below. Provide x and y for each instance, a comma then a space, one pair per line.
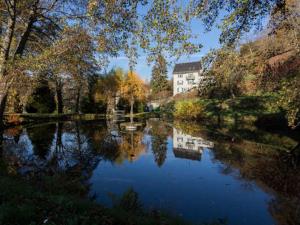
187, 67
187, 154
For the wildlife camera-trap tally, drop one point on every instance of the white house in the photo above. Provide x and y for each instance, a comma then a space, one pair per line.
186, 76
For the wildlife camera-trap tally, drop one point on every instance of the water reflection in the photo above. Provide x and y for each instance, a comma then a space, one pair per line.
159, 133
187, 146
246, 175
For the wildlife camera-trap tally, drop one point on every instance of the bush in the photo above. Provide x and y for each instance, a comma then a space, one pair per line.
189, 110
42, 99
88, 106
168, 108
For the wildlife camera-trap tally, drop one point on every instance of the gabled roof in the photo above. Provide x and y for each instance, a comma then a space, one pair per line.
187, 67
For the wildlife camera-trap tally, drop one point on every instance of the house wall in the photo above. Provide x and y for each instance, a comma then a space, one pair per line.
182, 84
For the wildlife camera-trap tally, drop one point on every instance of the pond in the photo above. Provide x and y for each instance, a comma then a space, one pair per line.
239, 175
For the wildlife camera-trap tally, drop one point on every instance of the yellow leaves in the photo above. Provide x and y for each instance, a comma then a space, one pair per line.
189, 110
133, 86
92, 6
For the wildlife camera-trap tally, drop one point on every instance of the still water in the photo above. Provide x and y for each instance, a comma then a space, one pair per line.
239, 175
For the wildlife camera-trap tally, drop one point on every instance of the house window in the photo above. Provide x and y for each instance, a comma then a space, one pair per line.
180, 75
191, 82
178, 89
180, 139
180, 82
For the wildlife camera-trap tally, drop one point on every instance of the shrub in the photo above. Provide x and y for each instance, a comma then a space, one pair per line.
168, 108
42, 99
189, 110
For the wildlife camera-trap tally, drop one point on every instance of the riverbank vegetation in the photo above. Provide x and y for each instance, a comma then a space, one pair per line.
259, 78
242, 108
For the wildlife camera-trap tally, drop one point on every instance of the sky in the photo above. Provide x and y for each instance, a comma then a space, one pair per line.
209, 40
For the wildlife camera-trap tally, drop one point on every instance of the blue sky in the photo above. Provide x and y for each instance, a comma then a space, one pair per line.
209, 40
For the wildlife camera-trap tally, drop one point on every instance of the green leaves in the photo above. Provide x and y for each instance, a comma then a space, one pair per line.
164, 30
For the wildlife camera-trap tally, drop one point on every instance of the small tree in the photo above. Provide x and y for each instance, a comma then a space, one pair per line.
133, 89
107, 88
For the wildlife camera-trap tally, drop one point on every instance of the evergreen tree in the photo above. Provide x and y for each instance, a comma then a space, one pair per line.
159, 81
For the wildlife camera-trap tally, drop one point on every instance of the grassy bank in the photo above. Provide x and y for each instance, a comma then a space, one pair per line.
16, 119
247, 109
144, 115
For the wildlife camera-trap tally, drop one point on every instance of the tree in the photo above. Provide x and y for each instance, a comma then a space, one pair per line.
159, 80
29, 29
240, 17
25, 25
132, 90
227, 70
108, 88
165, 29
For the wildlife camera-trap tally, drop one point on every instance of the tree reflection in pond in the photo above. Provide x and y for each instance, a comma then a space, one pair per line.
112, 159
41, 138
159, 132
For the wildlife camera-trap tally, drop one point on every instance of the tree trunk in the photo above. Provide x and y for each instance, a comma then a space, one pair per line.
6, 44
1, 141
17, 106
77, 104
4, 55
232, 93
3, 100
110, 106
25, 37
131, 109
59, 97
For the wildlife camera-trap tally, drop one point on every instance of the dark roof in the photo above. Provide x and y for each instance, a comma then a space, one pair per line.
187, 67
187, 154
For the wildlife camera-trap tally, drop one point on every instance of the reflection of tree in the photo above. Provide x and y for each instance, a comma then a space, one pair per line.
41, 138
132, 146
59, 131
110, 144
73, 148
271, 170
1, 141
285, 210
14, 132
159, 134
261, 157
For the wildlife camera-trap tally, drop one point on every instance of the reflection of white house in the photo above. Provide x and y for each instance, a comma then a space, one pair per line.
187, 146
